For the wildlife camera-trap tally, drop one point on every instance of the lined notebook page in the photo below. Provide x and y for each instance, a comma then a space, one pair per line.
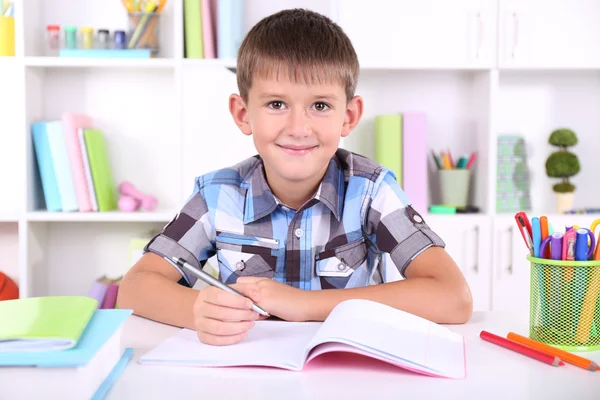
269, 343
398, 336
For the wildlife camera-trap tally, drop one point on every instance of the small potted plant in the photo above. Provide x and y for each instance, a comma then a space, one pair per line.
563, 164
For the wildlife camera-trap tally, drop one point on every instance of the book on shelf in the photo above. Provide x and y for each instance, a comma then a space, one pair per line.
401, 145
73, 165
213, 29
372, 330
63, 344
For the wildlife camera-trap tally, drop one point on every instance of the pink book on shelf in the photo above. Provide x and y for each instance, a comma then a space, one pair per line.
414, 156
208, 28
71, 123
110, 298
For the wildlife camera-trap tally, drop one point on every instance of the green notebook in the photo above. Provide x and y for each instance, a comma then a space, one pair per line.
192, 26
44, 323
104, 184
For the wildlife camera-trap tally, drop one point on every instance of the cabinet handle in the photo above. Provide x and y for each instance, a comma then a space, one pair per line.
476, 265
480, 34
509, 267
515, 34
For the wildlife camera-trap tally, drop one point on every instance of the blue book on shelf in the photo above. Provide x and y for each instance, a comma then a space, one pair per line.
62, 165
230, 28
105, 53
41, 145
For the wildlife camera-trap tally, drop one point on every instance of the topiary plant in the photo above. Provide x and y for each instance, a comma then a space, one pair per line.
562, 163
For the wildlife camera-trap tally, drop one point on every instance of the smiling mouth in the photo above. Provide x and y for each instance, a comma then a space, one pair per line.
297, 151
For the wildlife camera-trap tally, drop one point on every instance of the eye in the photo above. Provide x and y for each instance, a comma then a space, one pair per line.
277, 105
320, 106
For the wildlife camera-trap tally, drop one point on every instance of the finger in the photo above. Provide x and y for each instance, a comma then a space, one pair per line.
228, 314
248, 279
224, 328
222, 298
220, 340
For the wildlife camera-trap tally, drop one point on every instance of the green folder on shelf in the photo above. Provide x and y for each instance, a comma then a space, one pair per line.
104, 184
388, 143
44, 323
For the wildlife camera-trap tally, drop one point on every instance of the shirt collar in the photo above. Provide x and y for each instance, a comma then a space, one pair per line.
260, 201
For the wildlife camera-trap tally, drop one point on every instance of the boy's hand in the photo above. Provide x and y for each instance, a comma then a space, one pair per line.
276, 298
222, 318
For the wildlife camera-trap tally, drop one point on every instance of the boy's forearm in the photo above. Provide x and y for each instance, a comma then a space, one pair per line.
151, 295
426, 297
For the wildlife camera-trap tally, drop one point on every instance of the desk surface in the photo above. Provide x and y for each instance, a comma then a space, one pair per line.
492, 372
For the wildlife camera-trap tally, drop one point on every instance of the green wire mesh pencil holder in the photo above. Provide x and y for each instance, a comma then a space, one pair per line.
564, 306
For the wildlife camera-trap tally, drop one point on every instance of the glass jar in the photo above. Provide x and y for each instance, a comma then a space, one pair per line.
70, 37
87, 37
103, 39
52, 40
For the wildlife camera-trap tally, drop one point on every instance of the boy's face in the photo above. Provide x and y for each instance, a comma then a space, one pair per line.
296, 126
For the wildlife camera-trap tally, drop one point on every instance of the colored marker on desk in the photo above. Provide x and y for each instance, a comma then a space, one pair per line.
536, 233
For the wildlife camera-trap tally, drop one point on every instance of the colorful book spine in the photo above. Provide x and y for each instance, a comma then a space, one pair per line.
88, 172
70, 124
41, 145
208, 28
388, 143
230, 28
192, 25
414, 157
62, 167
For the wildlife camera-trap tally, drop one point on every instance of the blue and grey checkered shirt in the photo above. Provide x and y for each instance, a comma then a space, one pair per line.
357, 230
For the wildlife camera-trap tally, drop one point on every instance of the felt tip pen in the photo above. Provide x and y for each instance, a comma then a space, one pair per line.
214, 282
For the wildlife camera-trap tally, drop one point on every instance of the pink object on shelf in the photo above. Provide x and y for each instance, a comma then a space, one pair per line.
147, 201
128, 204
71, 122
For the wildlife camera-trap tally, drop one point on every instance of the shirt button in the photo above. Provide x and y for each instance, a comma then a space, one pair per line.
239, 265
341, 266
298, 232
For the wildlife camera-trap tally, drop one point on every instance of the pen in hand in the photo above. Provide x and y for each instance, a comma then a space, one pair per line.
214, 282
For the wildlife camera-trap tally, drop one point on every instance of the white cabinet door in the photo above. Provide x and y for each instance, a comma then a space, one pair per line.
423, 33
467, 239
510, 272
549, 33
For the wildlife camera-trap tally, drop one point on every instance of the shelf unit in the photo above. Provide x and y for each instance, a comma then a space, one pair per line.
465, 64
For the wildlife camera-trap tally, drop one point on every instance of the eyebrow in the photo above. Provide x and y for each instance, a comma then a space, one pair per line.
327, 96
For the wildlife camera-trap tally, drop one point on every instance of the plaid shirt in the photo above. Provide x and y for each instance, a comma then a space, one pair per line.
357, 230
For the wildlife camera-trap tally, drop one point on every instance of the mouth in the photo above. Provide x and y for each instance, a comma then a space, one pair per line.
297, 150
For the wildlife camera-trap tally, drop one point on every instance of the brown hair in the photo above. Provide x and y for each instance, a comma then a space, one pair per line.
304, 45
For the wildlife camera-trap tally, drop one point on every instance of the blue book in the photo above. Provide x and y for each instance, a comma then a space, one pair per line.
230, 28
62, 165
41, 145
87, 370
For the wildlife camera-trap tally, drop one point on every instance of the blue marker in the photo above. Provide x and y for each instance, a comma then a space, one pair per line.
536, 232
581, 245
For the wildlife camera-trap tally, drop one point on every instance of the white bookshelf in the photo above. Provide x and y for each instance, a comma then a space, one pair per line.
166, 121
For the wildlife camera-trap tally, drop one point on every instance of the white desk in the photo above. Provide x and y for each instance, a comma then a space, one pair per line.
492, 373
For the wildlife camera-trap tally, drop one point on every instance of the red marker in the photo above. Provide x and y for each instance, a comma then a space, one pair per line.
471, 160
522, 349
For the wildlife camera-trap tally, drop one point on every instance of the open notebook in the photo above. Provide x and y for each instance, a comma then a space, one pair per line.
359, 326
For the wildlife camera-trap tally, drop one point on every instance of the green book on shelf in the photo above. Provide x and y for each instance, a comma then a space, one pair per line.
388, 143
44, 323
192, 27
104, 184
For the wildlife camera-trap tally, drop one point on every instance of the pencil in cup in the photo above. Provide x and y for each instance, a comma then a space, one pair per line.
521, 349
214, 282
563, 355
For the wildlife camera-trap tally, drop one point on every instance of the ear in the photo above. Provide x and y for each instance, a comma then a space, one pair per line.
354, 112
239, 112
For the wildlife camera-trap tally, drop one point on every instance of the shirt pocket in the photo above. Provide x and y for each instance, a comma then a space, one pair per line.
245, 255
336, 266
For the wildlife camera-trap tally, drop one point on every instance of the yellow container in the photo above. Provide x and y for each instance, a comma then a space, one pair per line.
7, 36
87, 35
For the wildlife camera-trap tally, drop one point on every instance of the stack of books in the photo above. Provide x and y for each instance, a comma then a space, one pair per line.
73, 165
62, 344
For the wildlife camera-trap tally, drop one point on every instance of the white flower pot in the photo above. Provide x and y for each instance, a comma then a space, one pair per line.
564, 202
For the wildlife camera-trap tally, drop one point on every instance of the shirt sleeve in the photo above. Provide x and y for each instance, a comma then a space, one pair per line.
395, 228
189, 235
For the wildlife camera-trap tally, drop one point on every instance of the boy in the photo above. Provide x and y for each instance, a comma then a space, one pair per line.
303, 225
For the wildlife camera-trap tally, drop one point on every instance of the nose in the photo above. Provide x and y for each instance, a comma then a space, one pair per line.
298, 124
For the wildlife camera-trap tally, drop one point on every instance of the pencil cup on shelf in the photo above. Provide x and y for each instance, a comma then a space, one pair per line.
454, 186
143, 31
7, 36
564, 306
